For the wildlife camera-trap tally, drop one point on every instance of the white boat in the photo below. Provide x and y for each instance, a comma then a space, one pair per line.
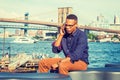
24, 40
105, 40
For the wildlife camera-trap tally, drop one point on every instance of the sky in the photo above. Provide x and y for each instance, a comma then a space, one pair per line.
47, 10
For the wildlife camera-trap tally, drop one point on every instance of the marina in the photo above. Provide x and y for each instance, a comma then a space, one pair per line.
100, 53
19, 57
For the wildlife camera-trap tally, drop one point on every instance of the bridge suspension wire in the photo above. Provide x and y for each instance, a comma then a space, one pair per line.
29, 22
38, 15
44, 13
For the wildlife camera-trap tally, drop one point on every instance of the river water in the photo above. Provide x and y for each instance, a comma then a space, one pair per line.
99, 53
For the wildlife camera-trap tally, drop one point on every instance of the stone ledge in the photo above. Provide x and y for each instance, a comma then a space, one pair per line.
96, 74
33, 76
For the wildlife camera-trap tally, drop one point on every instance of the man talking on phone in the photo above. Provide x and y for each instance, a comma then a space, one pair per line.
73, 42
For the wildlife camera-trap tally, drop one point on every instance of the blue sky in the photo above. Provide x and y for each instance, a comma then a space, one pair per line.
46, 10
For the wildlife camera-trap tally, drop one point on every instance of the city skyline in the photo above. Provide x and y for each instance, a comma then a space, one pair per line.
47, 10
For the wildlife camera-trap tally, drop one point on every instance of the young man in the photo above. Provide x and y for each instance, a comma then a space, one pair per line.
74, 44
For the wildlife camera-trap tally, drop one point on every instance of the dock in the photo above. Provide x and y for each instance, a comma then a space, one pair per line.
19, 63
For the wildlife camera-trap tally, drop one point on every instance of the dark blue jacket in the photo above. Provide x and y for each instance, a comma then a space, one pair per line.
75, 46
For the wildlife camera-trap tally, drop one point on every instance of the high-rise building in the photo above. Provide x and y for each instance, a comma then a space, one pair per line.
116, 25
101, 22
116, 20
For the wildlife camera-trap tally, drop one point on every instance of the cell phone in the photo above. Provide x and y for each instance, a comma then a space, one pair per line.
63, 28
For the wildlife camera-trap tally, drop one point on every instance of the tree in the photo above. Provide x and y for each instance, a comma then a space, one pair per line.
92, 36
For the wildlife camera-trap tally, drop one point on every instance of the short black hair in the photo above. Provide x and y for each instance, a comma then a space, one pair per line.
72, 16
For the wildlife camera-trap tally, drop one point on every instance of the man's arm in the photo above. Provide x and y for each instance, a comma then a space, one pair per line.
57, 44
58, 41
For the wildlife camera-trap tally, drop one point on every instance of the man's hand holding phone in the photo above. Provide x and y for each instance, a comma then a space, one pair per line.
62, 29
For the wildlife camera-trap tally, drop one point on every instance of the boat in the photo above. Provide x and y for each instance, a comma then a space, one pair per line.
19, 63
105, 40
24, 40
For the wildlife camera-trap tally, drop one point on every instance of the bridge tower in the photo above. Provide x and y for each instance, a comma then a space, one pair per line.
62, 13
26, 24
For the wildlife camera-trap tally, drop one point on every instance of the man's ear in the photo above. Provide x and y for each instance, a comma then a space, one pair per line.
76, 25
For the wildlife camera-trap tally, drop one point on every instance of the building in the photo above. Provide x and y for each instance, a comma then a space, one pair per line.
46, 34
116, 25
101, 22
116, 20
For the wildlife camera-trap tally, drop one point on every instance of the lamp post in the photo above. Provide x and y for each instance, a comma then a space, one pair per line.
3, 43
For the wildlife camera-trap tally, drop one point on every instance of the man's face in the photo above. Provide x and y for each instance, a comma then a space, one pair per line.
70, 25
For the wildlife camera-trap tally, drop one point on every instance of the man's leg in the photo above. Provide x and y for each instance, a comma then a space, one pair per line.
45, 64
65, 67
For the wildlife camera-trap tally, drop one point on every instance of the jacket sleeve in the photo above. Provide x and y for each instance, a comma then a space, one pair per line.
56, 49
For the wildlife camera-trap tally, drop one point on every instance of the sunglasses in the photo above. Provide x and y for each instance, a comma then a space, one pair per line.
70, 25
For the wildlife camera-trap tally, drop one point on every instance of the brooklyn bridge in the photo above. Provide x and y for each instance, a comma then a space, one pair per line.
50, 25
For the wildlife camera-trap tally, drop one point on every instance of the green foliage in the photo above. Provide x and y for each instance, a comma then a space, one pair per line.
116, 36
92, 36
37, 37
